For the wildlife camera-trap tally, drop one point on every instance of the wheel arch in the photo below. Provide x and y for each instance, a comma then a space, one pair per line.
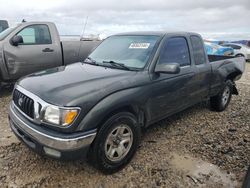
122, 101
239, 55
131, 108
233, 75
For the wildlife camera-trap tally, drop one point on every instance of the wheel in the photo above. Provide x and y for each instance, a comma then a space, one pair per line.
116, 143
221, 101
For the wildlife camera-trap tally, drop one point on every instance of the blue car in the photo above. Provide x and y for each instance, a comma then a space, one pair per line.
215, 49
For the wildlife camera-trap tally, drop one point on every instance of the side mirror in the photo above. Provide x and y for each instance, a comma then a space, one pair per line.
16, 40
168, 68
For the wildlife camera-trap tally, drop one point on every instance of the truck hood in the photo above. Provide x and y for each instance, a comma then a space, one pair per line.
77, 83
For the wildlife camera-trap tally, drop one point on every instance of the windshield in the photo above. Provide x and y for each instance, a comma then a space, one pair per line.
6, 32
130, 51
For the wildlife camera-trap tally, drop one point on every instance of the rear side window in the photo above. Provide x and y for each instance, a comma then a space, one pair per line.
36, 34
175, 50
198, 50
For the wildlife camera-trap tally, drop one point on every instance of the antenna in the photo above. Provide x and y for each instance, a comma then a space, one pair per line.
85, 24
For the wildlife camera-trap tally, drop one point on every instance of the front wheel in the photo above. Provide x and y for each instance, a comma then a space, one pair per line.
116, 142
220, 102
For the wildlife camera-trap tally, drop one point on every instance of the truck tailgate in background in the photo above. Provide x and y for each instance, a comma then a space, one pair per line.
75, 51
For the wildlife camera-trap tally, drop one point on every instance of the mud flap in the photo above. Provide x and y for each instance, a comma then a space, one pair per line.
246, 183
0, 87
235, 90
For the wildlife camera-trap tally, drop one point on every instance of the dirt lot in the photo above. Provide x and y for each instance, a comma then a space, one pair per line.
195, 148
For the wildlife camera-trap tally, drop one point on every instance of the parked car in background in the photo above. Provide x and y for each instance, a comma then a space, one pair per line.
240, 50
215, 49
35, 46
130, 81
245, 42
3, 25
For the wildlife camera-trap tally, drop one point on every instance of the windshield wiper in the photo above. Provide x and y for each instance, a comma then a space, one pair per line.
115, 64
91, 61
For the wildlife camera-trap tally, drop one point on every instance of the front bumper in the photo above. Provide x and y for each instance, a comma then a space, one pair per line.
41, 140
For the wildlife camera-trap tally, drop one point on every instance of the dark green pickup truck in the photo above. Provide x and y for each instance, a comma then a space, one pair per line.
130, 81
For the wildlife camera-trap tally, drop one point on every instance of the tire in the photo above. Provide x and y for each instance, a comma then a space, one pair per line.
116, 143
220, 102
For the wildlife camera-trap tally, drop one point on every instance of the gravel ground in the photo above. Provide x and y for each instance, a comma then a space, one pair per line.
195, 148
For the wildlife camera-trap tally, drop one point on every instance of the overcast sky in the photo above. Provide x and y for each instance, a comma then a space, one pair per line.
221, 19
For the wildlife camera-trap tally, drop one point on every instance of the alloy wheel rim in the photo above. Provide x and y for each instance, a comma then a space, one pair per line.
225, 95
118, 143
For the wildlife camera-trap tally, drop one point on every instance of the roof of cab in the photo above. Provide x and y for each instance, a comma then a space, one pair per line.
157, 33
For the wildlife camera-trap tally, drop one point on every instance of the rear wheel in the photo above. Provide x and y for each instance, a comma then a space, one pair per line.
116, 143
221, 101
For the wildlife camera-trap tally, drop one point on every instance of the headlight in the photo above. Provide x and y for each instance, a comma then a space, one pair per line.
60, 116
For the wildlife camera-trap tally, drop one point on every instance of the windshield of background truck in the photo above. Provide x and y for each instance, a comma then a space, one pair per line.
131, 51
5, 33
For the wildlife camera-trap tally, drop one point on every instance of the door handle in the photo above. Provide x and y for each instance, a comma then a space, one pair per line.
48, 50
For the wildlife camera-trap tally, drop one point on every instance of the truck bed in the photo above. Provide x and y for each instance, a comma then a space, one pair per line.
218, 61
224, 67
75, 51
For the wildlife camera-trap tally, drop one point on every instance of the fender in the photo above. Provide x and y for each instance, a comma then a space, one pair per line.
225, 71
132, 98
4, 74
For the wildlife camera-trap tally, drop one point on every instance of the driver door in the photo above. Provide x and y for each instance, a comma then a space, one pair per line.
170, 91
37, 52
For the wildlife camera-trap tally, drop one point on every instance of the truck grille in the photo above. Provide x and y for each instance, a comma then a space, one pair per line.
24, 103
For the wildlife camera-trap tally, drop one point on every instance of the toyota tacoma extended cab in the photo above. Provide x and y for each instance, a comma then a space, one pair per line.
35, 46
99, 106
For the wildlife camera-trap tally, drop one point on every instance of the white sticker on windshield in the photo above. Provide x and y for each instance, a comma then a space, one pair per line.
139, 45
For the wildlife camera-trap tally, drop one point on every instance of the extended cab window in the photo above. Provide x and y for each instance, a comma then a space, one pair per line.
198, 50
175, 50
36, 34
